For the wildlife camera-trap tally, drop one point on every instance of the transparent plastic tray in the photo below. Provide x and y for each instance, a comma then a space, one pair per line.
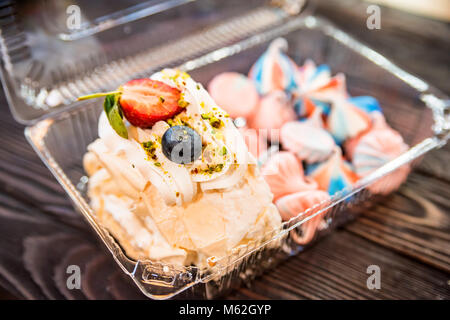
411, 106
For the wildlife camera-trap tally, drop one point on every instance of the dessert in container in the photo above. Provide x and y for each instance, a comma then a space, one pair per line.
177, 184
60, 129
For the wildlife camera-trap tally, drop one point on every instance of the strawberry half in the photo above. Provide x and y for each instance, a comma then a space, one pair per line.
145, 102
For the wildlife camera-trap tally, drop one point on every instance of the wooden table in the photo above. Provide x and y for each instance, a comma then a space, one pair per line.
407, 235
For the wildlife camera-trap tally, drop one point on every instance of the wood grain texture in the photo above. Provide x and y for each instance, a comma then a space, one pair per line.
414, 221
335, 268
407, 234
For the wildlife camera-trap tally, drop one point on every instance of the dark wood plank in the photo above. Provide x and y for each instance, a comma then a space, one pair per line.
37, 248
414, 221
335, 268
436, 163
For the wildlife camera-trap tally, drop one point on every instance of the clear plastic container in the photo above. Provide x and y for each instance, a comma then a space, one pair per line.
49, 60
414, 108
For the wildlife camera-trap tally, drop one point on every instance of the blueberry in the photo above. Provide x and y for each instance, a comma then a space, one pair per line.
181, 144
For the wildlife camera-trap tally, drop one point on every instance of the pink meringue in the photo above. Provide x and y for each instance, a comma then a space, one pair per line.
376, 148
274, 70
284, 174
346, 120
334, 174
305, 107
308, 139
235, 93
316, 87
274, 110
378, 122
292, 205
391, 181
367, 103
310, 77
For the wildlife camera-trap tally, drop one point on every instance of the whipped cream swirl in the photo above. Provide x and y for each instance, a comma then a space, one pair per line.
224, 158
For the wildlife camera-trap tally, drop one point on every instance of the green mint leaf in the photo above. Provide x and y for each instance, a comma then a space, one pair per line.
114, 115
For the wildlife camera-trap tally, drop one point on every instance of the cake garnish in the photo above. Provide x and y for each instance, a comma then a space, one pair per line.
143, 102
181, 144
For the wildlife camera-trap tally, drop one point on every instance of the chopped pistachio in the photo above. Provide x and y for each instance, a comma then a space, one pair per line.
182, 103
206, 116
147, 144
149, 148
213, 120
185, 75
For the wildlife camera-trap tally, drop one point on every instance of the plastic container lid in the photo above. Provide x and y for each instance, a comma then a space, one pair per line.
54, 51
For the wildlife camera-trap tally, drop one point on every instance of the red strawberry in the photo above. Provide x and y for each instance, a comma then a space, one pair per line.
144, 102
